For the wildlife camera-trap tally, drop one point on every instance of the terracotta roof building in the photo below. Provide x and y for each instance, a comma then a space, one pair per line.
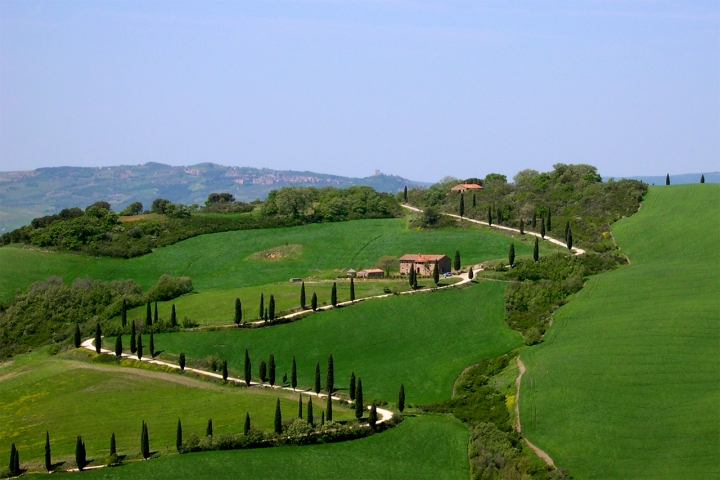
463, 187
424, 263
371, 273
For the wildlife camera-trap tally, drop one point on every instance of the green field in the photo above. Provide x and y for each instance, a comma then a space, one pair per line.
422, 340
69, 397
627, 382
422, 447
230, 260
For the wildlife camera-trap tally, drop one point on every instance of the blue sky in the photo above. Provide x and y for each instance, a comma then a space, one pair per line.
418, 89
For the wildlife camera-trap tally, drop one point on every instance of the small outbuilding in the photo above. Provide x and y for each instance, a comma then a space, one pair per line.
371, 273
463, 187
424, 263
351, 273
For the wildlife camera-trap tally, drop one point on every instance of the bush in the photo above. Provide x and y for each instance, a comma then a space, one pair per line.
169, 287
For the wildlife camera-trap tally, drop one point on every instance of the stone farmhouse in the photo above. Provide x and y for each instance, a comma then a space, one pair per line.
424, 263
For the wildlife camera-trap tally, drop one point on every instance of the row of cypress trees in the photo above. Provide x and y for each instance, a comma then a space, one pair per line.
150, 319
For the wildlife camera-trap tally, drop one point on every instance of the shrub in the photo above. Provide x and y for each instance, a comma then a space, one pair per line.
169, 287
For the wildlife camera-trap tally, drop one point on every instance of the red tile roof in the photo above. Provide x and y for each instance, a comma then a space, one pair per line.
466, 186
421, 258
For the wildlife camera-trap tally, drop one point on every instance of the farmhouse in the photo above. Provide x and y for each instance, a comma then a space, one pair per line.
424, 263
463, 187
371, 273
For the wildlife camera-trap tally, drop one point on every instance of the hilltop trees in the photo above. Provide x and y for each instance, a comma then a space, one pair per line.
401, 398
271, 369
238, 312
248, 368
302, 295
278, 418
98, 338
359, 407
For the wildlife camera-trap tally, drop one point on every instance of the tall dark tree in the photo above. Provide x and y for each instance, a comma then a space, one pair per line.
333, 295
80, 454
262, 307
549, 222
284, 378
542, 226
473, 200
310, 418
456, 263
471, 274
351, 390
224, 370
145, 441
667, 179
401, 398
178, 436
293, 375
208, 430
372, 417
317, 387
511, 254
139, 347
238, 312
322, 418
181, 361
113, 445
262, 371
98, 338
436, 273
359, 406
123, 313
133, 344
156, 319
569, 240
148, 315
533, 223
328, 409
702, 178
313, 302
271, 370
278, 418
48, 458
411, 276
522, 227
14, 461
405, 194
118, 345
498, 216
567, 229
536, 250
302, 295
173, 317
248, 368
330, 377
300, 406
352, 290
151, 347
77, 340
461, 210
246, 428
489, 216
271, 308
267, 315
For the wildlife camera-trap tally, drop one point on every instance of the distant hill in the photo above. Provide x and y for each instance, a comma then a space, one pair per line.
712, 177
25, 195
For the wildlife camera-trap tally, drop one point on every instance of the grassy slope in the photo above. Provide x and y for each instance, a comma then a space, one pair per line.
421, 340
627, 383
424, 447
225, 260
70, 398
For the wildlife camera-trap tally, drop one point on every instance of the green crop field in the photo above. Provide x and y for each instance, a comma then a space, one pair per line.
423, 447
240, 259
422, 340
66, 397
627, 382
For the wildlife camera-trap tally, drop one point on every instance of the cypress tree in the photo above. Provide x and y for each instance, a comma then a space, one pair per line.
224, 370
98, 338
352, 290
667, 179
498, 215
48, 460
156, 319
542, 227
372, 418
462, 205
139, 347
13, 456
317, 378
278, 418
262, 306
414, 284
401, 398
17, 462
436, 273
293, 375
133, 345
300, 406
267, 315
173, 317
271, 369
262, 371
570, 240
549, 222
359, 407
271, 308
118, 345
330, 378
76, 336
322, 418
182, 361
145, 441
302, 295
511, 254
533, 223
313, 302
702, 178
248, 368
178, 436
536, 250
333, 295
473, 200
238, 312
489, 219
113, 445
522, 227
284, 379
148, 315
208, 430
152, 344
405, 194
352, 386
457, 260
471, 274
80, 453
246, 428
567, 229
310, 418
411, 274
328, 409
123, 313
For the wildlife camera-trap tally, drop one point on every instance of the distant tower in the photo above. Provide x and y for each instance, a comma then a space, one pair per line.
377, 172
